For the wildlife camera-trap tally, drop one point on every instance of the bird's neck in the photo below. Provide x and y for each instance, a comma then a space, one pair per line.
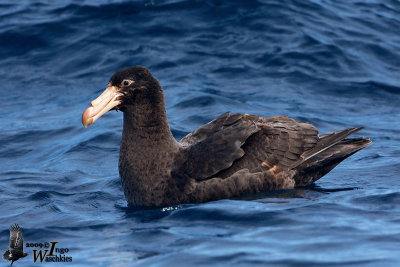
147, 125
147, 154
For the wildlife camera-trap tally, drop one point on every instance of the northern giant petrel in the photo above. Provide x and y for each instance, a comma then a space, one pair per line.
234, 154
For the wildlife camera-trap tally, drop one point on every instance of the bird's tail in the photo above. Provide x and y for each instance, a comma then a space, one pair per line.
322, 163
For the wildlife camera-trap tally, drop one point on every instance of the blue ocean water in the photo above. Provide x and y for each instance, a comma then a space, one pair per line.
335, 64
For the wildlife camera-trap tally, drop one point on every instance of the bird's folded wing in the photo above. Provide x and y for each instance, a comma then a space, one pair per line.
282, 143
223, 121
216, 150
278, 143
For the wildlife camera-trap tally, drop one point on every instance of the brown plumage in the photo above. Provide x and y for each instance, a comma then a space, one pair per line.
234, 154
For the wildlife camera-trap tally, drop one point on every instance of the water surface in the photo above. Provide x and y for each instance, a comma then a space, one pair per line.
335, 64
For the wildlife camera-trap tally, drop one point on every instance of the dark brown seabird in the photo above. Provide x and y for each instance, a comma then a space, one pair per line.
233, 155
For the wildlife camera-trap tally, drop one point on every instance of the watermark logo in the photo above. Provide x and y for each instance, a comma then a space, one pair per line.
50, 253
41, 252
16, 248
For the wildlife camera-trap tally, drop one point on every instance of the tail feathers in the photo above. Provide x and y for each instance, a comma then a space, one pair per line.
317, 166
326, 141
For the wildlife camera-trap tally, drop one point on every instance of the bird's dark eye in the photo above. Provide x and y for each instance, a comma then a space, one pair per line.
127, 82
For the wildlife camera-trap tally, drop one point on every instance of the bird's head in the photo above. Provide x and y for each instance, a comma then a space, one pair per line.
127, 87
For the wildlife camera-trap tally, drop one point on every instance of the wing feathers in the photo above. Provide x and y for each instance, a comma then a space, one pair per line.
326, 142
218, 151
234, 142
211, 128
16, 238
